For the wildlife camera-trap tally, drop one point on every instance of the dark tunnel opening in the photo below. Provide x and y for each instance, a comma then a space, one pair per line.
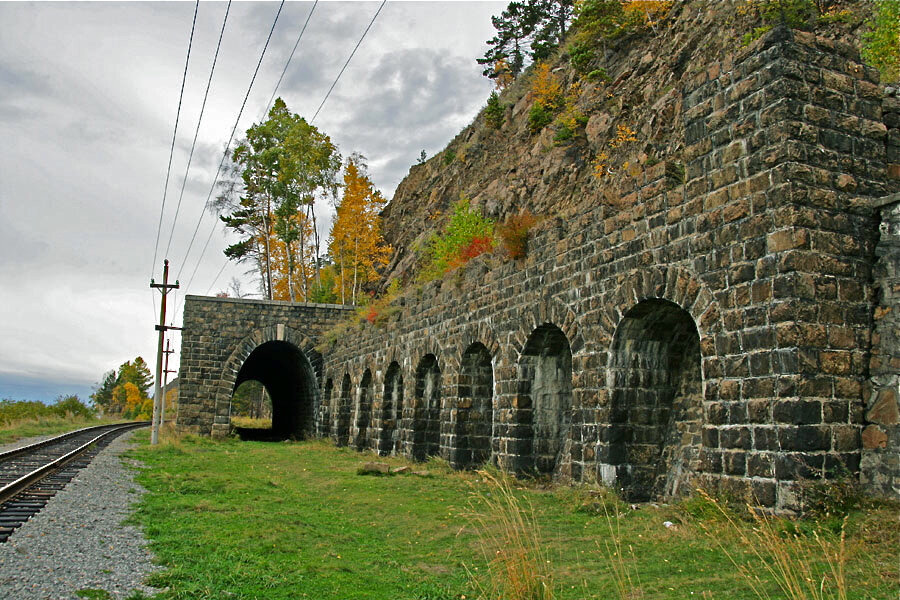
290, 380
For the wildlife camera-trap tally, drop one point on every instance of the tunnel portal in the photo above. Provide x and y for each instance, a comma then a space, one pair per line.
290, 380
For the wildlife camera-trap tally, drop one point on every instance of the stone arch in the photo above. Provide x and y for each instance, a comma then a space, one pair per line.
391, 407
678, 285
472, 415
342, 412
652, 441
364, 398
284, 361
543, 403
549, 310
477, 333
425, 426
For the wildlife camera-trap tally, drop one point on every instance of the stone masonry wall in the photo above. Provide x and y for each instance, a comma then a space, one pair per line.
220, 333
708, 321
766, 248
880, 470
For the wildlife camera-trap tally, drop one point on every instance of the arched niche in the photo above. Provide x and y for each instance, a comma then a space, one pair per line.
656, 386
544, 399
472, 429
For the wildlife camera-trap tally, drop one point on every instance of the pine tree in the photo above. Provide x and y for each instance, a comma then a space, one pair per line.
284, 165
538, 25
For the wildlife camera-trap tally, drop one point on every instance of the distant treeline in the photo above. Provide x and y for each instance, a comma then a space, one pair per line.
21, 410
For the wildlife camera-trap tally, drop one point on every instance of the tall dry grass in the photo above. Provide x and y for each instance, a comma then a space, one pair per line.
628, 585
517, 566
804, 567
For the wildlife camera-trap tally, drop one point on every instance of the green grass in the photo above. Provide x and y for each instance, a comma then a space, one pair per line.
287, 520
47, 425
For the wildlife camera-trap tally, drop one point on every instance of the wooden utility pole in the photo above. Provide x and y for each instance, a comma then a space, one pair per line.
163, 288
165, 390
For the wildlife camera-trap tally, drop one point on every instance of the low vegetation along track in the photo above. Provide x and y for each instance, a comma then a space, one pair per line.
31, 475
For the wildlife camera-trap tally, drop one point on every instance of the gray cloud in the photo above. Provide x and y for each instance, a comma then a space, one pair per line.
88, 94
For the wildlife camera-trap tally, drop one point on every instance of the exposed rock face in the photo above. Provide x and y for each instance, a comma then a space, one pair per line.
509, 170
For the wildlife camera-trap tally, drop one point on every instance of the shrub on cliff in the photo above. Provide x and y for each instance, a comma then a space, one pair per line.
881, 45
468, 234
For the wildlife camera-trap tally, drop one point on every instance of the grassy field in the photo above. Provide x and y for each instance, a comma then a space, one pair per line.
50, 425
291, 520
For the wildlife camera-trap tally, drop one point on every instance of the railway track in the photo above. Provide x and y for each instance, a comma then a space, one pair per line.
31, 475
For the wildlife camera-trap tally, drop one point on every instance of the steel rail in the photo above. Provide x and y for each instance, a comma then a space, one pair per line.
49, 442
14, 488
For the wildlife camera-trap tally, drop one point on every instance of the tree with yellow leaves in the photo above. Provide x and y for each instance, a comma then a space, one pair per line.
356, 245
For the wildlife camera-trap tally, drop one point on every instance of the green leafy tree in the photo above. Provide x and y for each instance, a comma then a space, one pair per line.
283, 165
530, 29
138, 373
103, 391
881, 45
132, 377
71, 406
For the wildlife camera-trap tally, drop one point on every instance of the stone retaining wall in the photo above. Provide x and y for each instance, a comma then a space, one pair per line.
708, 321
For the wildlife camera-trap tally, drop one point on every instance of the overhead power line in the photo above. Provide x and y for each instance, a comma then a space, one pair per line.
230, 138
288, 63
383, 2
268, 107
219, 274
197, 130
174, 133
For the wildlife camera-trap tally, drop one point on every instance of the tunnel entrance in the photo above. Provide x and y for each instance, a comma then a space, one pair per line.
290, 381
656, 403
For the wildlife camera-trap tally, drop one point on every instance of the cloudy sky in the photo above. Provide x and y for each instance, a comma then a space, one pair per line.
88, 98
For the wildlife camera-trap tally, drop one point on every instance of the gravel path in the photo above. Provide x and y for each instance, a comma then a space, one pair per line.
78, 541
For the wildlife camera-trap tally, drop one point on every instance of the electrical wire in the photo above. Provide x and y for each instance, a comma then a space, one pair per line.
219, 274
287, 64
383, 2
230, 138
172, 149
268, 107
197, 130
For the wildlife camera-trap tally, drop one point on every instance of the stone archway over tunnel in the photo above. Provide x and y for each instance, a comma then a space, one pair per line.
290, 379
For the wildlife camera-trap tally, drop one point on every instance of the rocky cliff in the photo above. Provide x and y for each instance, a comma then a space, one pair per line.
507, 170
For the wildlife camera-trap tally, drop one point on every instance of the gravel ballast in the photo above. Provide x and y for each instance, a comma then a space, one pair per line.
78, 542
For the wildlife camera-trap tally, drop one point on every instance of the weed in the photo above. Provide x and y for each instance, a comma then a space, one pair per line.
591, 500
777, 549
538, 118
511, 544
494, 112
431, 591
599, 75
467, 235
563, 135
514, 233
881, 45
830, 497
93, 594
625, 577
